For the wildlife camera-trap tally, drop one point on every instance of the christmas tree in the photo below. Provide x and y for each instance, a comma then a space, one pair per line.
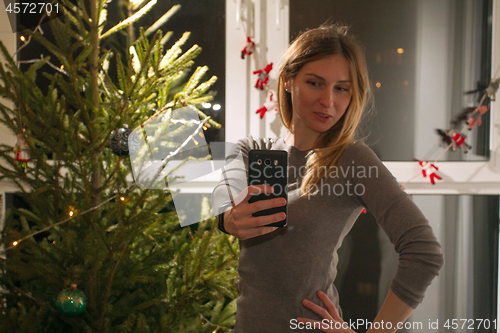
92, 251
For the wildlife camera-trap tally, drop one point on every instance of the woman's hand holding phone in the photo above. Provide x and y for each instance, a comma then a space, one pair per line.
238, 220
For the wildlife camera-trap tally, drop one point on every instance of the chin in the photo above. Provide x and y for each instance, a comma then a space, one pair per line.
322, 129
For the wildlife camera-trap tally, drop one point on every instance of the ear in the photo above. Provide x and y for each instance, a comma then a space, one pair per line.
287, 83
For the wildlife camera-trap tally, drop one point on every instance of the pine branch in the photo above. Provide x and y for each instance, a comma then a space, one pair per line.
45, 61
108, 290
162, 20
36, 301
215, 325
129, 20
205, 240
61, 222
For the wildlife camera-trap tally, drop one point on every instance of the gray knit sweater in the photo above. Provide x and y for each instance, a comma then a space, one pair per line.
280, 269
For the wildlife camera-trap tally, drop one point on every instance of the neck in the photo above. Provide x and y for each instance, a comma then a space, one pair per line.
302, 143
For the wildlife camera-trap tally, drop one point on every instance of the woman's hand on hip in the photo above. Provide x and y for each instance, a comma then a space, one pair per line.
238, 220
333, 322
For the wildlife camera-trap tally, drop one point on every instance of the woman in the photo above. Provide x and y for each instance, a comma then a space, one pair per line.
287, 274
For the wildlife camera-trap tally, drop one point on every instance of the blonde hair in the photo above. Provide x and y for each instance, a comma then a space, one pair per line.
315, 44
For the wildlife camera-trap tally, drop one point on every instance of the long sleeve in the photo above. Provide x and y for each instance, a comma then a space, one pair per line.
235, 175
233, 178
420, 257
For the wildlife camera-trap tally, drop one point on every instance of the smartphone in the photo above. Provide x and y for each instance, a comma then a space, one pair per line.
269, 167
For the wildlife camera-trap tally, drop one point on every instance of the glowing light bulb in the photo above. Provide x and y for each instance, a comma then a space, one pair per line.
216, 107
378, 85
201, 134
206, 105
122, 198
400, 50
71, 214
62, 67
195, 142
22, 38
15, 243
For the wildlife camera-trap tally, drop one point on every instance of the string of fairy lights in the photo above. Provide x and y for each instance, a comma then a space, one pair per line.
72, 212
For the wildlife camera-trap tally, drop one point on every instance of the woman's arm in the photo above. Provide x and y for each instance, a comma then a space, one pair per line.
395, 311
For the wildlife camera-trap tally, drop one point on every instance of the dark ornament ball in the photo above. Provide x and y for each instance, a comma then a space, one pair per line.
119, 141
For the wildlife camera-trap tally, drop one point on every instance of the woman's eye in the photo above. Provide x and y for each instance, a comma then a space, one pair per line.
341, 89
313, 83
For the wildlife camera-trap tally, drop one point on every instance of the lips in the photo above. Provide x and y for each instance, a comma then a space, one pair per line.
324, 115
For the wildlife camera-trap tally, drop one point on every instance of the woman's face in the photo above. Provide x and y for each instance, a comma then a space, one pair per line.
321, 92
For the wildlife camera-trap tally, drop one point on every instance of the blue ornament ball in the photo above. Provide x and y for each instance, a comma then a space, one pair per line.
119, 141
71, 302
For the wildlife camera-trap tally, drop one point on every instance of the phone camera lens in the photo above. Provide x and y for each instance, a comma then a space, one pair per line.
268, 162
259, 161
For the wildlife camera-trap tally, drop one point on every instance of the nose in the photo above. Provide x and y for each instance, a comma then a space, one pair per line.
327, 98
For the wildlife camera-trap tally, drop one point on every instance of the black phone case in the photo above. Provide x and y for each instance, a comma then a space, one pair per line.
269, 167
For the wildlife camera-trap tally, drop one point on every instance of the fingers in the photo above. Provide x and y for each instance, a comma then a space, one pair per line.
332, 309
259, 221
244, 212
257, 206
239, 220
257, 189
318, 309
336, 324
244, 226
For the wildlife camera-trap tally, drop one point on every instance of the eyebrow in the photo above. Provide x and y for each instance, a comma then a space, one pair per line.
321, 78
